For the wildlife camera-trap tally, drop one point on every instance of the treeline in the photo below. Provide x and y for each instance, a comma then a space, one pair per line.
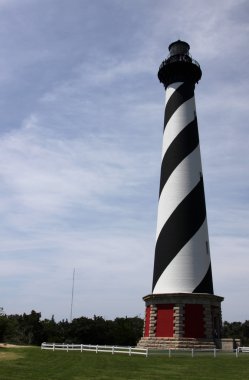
237, 330
30, 329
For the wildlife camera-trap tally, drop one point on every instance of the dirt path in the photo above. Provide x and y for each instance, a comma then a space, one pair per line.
7, 345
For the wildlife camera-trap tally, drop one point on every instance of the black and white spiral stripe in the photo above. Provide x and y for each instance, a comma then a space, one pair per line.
182, 258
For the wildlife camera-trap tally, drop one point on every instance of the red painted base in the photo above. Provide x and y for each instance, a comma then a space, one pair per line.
182, 317
165, 320
194, 321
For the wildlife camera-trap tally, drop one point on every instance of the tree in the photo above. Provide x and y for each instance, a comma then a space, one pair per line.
31, 327
237, 330
127, 331
3, 326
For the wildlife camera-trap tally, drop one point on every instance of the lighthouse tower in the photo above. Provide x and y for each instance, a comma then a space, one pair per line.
182, 310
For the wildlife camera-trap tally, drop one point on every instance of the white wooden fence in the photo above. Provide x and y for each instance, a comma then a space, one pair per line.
243, 349
129, 350
89, 347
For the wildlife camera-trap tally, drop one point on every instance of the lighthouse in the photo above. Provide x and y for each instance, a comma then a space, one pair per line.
182, 310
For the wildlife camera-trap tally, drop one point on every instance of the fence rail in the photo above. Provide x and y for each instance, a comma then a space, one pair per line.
170, 352
243, 349
89, 347
193, 352
134, 350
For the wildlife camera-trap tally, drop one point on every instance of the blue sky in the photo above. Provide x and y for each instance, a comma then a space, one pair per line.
80, 147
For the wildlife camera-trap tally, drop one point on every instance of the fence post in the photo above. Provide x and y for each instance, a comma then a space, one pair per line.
147, 350
96, 349
214, 352
53, 346
81, 347
169, 353
129, 351
192, 352
237, 352
112, 350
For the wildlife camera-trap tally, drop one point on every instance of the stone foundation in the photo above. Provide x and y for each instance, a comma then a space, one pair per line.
173, 343
182, 320
229, 344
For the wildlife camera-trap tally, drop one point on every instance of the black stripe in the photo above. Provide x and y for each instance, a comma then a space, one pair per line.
184, 143
182, 224
179, 96
206, 285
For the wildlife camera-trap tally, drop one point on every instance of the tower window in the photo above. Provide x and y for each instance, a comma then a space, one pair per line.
207, 247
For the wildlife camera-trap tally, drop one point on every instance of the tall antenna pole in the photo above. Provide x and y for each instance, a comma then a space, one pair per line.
71, 311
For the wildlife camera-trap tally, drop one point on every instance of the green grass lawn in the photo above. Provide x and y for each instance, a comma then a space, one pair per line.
34, 364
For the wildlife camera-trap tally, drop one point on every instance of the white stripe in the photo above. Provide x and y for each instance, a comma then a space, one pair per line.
188, 268
171, 89
178, 121
183, 179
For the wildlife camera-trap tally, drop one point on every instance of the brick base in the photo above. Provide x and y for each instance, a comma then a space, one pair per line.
196, 320
176, 343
